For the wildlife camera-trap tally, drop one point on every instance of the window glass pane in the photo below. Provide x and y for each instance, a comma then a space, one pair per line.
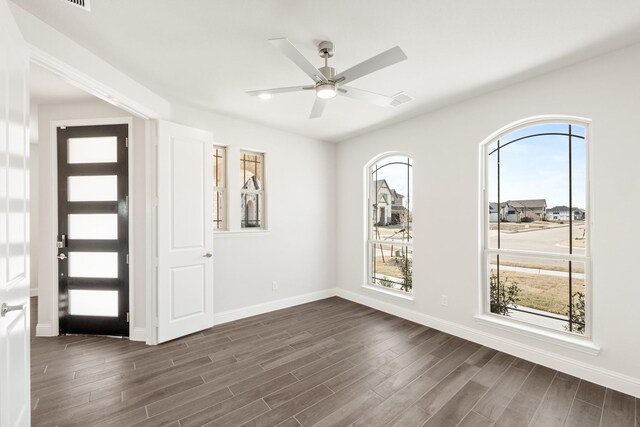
251, 211
496, 210
532, 177
93, 303
93, 150
251, 170
93, 226
92, 188
219, 161
392, 266
218, 213
391, 185
539, 291
579, 192
93, 264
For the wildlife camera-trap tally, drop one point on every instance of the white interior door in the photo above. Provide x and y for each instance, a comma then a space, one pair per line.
185, 230
14, 220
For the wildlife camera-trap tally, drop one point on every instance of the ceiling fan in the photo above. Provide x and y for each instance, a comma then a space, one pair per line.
328, 84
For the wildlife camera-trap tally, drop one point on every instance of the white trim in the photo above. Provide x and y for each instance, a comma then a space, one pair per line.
370, 242
33, 292
390, 293
151, 202
254, 310
45, 330
484, 250
241, 233
138, 334
605, 377
53, 206
564, 339
88, 84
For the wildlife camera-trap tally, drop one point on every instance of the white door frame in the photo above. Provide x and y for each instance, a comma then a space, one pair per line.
120, 100
50, 240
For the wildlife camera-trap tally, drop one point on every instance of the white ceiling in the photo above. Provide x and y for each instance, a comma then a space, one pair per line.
47, 88
207, 53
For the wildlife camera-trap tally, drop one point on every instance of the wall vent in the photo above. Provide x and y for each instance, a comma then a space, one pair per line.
400, 98
83, 4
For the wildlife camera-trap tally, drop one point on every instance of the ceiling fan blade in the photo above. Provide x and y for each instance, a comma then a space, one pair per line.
278, 90
363, 95
378, 62
318, 108
290, 51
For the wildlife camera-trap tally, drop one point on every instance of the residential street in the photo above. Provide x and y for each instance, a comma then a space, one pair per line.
547, 240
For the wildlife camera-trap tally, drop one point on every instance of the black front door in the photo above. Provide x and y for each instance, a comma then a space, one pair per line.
93, 230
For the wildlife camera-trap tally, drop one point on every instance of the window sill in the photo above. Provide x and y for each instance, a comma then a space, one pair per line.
584, 345
398, 295
240, 233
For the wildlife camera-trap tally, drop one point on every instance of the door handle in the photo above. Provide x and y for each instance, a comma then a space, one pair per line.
4, 309
207, 255
62, 257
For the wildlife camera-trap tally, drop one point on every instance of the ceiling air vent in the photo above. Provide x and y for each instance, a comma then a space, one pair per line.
400, 98
83, 4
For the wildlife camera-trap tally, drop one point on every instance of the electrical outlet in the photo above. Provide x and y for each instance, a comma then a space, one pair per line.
444, 300
274, 285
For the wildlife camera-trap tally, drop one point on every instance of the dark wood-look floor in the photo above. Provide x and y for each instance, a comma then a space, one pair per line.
327, 363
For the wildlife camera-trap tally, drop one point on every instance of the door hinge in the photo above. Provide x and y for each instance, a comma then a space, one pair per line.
127, 259
126, 142
127, 317
126, 202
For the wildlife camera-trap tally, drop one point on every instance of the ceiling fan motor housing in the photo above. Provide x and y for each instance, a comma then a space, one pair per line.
328, 72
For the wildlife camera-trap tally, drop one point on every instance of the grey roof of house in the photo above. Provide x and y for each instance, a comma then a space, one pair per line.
528, 204
563, 208
379, 183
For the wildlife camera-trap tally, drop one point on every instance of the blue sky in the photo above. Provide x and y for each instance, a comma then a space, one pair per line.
538, 167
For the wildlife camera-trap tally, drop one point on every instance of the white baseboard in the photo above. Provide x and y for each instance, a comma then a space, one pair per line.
33, 292
45, 330
253, 310
607, 378
138, 334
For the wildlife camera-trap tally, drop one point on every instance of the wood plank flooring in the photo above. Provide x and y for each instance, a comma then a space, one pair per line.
327, 363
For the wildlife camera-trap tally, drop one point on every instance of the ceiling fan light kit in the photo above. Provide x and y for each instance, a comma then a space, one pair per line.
328, 83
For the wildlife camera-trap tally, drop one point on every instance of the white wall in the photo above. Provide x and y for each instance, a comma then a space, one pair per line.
298, 251
444, 145
48, 230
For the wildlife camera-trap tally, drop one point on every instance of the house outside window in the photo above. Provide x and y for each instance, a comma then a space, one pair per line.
390, 219
219, 188
535, 233
252, 189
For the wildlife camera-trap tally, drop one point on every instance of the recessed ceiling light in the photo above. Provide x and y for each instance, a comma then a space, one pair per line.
264, 96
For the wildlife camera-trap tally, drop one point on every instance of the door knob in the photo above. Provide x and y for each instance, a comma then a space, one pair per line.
4, 309
207, 255
62, 257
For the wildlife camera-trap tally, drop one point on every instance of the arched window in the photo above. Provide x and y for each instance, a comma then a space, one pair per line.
390, 211
536, 229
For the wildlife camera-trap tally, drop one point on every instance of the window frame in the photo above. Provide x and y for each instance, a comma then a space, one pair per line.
222, 190
261, 193
369, 241
486, 252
